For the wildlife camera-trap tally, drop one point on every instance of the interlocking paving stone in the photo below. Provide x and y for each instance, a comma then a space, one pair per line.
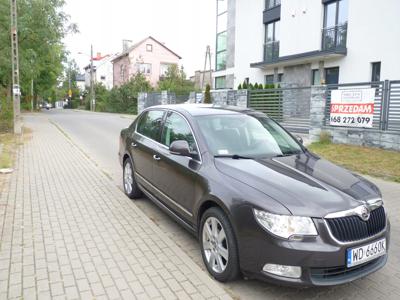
68, 232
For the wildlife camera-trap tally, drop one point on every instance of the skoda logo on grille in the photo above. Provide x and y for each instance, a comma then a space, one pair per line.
363, 212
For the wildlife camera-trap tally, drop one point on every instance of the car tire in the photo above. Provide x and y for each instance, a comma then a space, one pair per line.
131, 188
219, 251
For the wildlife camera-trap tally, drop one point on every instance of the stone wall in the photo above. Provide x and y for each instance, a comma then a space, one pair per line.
230, 97
344, 135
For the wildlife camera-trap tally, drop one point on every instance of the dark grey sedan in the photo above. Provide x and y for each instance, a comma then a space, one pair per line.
260, 203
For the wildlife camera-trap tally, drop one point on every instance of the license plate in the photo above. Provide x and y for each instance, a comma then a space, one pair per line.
362, 254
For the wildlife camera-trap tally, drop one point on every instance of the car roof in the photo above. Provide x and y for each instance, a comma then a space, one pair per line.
206, 109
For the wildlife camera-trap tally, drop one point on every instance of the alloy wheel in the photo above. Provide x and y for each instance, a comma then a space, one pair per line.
215, 245
128, 178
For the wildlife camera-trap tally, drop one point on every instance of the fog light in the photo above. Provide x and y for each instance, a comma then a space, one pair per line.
281, 270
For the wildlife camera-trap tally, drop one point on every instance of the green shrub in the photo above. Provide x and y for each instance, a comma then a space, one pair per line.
207, 94
6, 113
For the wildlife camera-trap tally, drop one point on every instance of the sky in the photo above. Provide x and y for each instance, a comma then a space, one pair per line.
185, 26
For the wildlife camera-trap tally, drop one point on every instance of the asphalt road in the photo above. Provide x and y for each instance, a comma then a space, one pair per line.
97, 134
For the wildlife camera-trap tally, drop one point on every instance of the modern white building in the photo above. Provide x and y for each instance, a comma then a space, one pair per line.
103, 71
306, 42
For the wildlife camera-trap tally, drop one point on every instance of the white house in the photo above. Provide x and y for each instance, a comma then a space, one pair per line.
103, 70
305, 42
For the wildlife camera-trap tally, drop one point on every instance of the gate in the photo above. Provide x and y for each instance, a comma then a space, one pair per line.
289, 106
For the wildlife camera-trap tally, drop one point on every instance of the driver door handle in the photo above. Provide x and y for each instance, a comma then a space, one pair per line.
155, 157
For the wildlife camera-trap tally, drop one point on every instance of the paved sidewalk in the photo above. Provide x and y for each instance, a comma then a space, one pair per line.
66, 232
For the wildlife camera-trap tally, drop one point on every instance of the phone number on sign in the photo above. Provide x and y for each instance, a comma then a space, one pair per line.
344, 120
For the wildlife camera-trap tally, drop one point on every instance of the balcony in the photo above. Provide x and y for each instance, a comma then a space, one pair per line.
334, 38
271, 51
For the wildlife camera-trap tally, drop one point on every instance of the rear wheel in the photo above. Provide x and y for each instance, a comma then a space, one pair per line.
130, 186
218, 245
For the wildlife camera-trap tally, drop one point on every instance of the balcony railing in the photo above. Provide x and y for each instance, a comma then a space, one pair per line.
334, 37
271, 51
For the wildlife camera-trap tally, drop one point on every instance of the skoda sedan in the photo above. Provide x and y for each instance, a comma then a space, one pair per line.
260, 203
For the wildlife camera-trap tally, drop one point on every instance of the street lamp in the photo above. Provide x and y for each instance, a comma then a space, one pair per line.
92, 92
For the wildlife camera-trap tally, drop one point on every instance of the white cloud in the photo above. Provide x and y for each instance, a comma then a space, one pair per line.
185, 26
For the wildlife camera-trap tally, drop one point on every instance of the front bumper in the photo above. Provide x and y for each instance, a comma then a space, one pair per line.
321, 258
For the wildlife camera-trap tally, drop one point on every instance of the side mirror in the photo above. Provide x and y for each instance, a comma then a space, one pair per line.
299, 139
180, 147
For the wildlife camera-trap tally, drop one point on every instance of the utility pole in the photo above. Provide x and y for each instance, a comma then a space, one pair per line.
69, 88
208, 55
32, 95
15, 67
92, 92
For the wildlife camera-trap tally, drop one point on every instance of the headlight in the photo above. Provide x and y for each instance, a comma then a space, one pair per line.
285, 226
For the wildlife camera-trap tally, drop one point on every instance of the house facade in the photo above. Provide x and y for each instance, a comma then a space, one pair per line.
306, 42
149, 57
103, 70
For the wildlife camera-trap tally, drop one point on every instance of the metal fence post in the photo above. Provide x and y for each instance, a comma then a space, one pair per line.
385, 105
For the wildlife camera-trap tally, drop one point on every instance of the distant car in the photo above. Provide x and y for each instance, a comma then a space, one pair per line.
46, 105
260, 203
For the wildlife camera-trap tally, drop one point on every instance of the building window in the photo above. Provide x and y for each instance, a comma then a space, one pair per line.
149, 47
376, 71
271, 39
164, 68
332, 75
272, 3
221, 51
270, 79
122, 71
221, 61
315, 77
103, 77
334, 34
222, 6
222, 24
220, 82
143, 68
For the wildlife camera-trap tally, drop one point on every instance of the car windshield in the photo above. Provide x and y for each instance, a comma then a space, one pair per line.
245, 136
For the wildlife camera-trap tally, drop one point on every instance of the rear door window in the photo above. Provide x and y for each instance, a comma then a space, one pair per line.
150, 124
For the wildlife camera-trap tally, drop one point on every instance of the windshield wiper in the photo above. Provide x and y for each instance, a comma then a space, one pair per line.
233, 156
287, 154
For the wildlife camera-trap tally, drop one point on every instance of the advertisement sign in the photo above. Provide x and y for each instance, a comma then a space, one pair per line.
352, 108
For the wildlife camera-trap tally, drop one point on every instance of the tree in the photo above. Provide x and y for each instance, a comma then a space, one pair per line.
207, 94
175, 81
239, 86
251, 86
123, 99
245, 86
42, 26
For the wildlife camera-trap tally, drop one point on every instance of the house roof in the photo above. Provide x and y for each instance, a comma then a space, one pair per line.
126, 52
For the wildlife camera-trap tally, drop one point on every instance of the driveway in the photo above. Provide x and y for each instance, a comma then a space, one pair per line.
97, 134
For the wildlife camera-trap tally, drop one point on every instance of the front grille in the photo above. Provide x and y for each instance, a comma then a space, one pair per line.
343, 272
353, 228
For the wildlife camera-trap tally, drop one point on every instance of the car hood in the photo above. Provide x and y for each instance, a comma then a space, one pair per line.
305, 184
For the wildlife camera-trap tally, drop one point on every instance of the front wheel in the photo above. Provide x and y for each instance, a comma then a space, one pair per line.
218, 245
130, 186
